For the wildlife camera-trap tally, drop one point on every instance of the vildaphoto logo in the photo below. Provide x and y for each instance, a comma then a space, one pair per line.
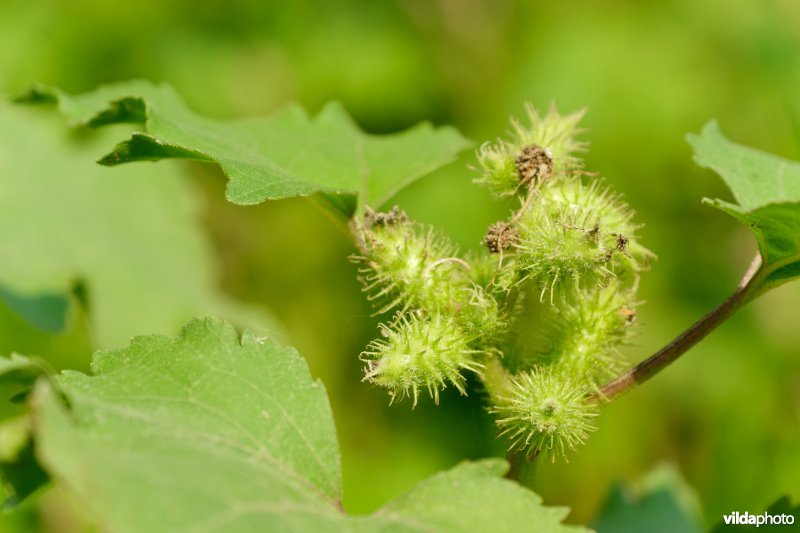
747, 519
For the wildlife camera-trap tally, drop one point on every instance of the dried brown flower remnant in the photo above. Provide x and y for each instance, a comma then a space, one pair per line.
622, 243
394, 217
501, 236
534, 164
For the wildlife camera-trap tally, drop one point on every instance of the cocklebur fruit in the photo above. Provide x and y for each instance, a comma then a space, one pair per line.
577, 235
541, 363
409, 266
546, 412
546, 147
482, 318
555, 133
582, 332
499, 170
420, 352
497, 273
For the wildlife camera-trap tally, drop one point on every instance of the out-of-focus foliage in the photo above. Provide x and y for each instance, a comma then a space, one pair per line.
127, 243
728, 413
661, 502
20, 473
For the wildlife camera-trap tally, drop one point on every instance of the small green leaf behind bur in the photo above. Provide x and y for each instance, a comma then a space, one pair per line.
767, 193
210, 431
266, 158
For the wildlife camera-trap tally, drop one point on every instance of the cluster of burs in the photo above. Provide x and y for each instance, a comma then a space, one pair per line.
537, 317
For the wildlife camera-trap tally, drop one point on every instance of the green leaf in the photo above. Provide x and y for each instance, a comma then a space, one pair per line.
17, 376
471, 497
662, 502
45, 311
24, 519
128, 237
767, 192
20, 472
209, 431
22, 475
285, 155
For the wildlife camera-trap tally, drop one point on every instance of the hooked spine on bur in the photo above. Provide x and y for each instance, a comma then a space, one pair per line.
572, 239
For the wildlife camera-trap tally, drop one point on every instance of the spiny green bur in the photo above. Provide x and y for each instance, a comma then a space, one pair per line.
409, 266
544, 411
420, 353
577, 234
570, 250
582, 336
547, 146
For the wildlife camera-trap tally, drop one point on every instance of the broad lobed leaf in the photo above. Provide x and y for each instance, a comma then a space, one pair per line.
472, 496
267, 158
132, 239
212, 432
767, 192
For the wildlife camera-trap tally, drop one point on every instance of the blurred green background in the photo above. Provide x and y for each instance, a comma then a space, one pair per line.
728, 414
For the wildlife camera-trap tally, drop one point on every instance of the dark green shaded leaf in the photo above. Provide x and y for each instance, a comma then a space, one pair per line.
17, 377
45, 311
20, 472
663, 504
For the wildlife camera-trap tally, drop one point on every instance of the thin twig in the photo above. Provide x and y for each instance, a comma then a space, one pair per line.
525, 204
683, 342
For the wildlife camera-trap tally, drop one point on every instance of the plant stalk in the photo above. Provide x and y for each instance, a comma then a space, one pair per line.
683, 342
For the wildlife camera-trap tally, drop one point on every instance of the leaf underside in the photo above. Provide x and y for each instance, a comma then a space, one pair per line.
209, 431
266, 158
767, 193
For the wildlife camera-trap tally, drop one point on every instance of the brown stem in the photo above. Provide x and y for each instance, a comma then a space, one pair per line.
683, 342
